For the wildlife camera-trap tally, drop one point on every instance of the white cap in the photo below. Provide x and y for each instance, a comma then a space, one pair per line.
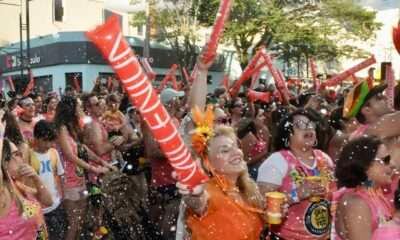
168, 94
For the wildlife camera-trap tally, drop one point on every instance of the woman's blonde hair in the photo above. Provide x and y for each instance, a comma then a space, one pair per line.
247, 186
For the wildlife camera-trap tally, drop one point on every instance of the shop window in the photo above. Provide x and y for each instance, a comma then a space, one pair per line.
74, 80
58, 10
43, 84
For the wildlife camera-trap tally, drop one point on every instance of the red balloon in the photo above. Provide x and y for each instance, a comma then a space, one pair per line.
259, 96
317, 82
212, 44
344, 75
247, 73
278, 78
108, 38
396, 37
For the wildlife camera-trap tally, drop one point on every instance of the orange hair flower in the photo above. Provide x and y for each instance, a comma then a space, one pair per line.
204, 129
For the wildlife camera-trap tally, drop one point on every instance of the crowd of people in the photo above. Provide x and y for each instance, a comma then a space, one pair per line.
86, 166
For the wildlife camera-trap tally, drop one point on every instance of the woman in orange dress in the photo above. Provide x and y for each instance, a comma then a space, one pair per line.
229, 205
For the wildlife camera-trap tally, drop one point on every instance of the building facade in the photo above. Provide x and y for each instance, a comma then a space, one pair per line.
60, 54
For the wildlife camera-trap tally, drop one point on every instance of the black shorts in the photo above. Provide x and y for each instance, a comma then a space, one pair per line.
57, 223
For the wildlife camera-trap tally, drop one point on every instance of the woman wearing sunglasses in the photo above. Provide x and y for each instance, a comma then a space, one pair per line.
304, 174
22, 194
360, 205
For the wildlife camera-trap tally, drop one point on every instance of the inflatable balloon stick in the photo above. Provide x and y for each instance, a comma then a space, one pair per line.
210, 49
247, 73
390, 86
225, 82
149, 71
186, 75
396, 37
170, 76
108, 39
259, 96
212, 44
278, 78
194, 73
342, 76
317, 83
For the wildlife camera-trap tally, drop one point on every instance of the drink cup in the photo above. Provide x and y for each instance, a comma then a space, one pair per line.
316, 180
275, 200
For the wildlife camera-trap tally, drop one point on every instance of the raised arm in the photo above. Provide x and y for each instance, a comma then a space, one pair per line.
387, 126
199, 89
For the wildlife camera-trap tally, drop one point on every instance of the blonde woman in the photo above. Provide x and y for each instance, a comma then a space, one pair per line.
229, 205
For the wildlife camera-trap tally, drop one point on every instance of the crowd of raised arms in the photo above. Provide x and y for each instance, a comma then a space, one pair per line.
86, 166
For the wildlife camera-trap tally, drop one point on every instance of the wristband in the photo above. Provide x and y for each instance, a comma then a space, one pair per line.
294, 196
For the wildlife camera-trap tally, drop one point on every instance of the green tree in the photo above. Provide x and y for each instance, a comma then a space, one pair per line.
177, 25
294, 29
320, 28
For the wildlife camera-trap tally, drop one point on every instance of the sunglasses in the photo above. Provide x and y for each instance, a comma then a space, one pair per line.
223, 120
384, 160
96, 104
303, 125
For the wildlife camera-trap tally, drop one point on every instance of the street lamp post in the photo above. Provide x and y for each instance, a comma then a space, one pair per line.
28, 38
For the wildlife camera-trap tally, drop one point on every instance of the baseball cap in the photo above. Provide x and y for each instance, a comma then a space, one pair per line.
358, 96
168, 94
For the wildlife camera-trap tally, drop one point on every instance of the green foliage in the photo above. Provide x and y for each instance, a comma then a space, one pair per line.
325, 29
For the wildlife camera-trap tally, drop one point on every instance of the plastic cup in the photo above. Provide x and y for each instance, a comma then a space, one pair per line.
316, 180
275, 200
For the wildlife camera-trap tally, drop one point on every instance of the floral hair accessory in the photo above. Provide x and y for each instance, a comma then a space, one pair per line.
203, 132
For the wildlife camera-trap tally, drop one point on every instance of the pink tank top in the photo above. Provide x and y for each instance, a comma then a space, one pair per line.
359, 131
74, 175
381, 209
306, 219
26, 226
258, 148
391, 231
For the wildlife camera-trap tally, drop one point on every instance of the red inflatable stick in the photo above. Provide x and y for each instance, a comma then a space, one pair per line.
194, 73
247, 73
149, 71
108, 38
30, 85
278, 78
259, 96
317, 83
170, 76
212, 44
390, 86
396, 37
225, 82
11, 83
186, 75
342, 76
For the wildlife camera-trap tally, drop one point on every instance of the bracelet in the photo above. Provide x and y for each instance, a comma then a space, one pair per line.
294, 196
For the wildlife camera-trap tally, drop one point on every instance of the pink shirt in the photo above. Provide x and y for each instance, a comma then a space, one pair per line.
380, 207
387, 231
359, 131
74, 175
26, 226
306, 220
